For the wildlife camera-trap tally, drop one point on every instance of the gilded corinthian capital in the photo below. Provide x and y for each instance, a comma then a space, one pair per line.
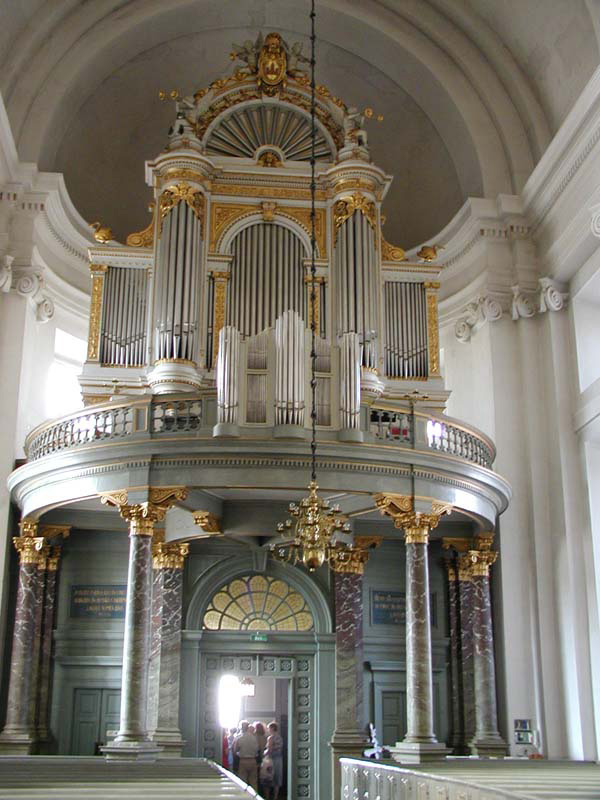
142, 516
416, 524
476, 563
29, 545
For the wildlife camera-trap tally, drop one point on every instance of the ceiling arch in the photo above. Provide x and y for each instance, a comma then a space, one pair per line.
456, 101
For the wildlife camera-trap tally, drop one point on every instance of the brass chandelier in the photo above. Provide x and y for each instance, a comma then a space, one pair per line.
316, 533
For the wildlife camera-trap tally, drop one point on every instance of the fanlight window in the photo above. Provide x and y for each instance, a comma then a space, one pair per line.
257, 603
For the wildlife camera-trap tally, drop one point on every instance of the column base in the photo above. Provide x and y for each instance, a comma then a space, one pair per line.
350, 744
226, 430
418, 752
492, 746
170, 742
351, 435
131, 751
17, 744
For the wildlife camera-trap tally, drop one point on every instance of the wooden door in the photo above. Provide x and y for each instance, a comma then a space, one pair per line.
95, 711
393, 717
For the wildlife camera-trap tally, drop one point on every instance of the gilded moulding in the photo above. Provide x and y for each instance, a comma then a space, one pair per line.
98, 271
224, 215
275, 192
143, 238
433, 334
219, 305
391, 252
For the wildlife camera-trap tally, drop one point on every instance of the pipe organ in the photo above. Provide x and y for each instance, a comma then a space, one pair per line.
123, 330
215, 294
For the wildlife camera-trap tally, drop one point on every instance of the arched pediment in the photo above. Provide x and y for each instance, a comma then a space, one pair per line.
244, 130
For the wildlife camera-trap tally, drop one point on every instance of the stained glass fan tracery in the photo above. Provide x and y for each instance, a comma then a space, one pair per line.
257, 603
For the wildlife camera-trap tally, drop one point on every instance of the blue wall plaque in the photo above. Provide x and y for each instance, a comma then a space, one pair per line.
388, 608
98, 601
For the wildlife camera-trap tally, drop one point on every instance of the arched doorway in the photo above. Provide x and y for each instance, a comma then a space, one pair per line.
274, 623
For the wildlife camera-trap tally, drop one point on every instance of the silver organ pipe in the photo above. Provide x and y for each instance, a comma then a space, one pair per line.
179, 254
406, 330
289, 369
355, 262
350, 363
256, 394
228, 375
123, 331
267, 277
323, 388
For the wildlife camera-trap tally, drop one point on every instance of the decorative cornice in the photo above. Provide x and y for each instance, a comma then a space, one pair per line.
29, 282
5, 273
525, 304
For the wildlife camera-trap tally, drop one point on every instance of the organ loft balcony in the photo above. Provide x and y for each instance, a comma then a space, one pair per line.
201, 327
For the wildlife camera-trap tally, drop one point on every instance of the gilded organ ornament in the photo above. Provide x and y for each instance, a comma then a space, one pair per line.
172, 196
272, 64
346, 206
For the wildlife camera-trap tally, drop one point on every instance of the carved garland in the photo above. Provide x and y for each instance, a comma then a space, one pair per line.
171, 197
346, 206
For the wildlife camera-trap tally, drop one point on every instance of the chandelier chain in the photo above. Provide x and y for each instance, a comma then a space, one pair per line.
313, 239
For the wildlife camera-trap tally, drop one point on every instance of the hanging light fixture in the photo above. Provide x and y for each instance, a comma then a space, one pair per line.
317, 531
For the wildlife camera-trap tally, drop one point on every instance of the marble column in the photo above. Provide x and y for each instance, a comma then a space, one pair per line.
465, 591
49, 607
132, 740
420, 743
349, 738
487, 740
19, 733
456, 704
165, 657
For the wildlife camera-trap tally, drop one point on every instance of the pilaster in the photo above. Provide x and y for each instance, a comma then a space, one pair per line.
165, 656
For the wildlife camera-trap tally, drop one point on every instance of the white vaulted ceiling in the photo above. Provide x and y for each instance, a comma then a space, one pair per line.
472, 90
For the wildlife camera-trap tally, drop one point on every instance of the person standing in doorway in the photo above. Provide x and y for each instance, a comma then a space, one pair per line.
274, 749
246, 748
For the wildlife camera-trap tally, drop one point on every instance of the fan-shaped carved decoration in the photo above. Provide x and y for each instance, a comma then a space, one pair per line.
242, 132
257, 603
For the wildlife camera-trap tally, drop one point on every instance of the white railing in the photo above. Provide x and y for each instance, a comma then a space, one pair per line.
85, 427
458, 441
185, 414
375, 780
176, 415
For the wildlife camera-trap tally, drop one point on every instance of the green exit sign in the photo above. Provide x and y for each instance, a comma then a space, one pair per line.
259, 637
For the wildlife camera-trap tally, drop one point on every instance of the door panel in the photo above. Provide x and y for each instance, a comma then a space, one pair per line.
94, 712
110, 712
393, 717
86, 718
